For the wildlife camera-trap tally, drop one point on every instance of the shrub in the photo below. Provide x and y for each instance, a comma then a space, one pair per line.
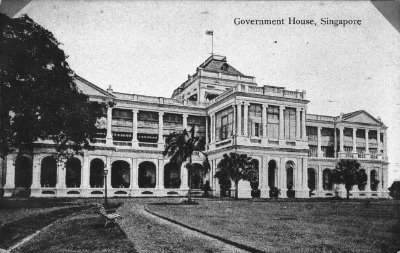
274, 192
394, 190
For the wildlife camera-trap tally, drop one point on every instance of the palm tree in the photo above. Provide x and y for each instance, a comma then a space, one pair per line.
349, 173
237, 167
179, 148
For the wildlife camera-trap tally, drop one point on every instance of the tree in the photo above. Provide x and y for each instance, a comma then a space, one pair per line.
394, 190
237, 167
179, 148
348, 172
39, 99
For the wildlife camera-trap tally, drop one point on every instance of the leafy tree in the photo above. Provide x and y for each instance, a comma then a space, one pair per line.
39, 99
179, 148
348, 172
237, 167
394, 190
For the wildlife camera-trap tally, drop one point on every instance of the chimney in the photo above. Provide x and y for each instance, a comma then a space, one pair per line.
110, 90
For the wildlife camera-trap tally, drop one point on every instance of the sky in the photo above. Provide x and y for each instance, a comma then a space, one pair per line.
150, 47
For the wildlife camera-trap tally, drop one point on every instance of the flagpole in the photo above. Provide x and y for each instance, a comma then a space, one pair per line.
212, 43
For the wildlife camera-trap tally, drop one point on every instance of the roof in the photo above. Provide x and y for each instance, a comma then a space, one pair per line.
217, 63
353, 115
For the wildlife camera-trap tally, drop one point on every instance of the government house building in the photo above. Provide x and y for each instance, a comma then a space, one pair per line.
296, 150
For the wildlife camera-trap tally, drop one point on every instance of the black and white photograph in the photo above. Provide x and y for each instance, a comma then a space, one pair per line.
199, 126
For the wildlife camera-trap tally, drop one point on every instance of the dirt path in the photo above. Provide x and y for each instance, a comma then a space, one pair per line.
150, 233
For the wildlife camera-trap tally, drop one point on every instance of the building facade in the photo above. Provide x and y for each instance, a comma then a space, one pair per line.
296, 150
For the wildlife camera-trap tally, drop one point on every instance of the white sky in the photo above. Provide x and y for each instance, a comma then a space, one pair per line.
149, 48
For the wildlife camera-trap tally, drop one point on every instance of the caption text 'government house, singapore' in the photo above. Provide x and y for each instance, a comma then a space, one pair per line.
296, 150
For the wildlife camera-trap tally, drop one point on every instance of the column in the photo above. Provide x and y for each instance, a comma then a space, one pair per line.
264, 120
246, 119
85, 179
379, 171
234, 120
109, 138
207, 124
160, 175
385, 179
320, 177
341, 141
239, 118
378, 139
298, 124
134, 175
134, 128
35, 172
355, 154
108, 168
368, 185
184, 177
304, 184
384, 144
212, 119
319, 149
160, 127
185, 125
303, 127
281, 123
61, 169
10, 172
367, 154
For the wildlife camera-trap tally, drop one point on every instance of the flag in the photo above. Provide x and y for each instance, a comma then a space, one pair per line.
209, 32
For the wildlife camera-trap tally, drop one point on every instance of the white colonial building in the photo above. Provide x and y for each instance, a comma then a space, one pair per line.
296, 150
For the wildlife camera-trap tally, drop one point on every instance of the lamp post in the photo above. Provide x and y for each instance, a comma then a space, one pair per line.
105, 172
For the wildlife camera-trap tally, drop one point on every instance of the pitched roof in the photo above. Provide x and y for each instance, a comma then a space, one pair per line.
217, 63
89, 88
351, 115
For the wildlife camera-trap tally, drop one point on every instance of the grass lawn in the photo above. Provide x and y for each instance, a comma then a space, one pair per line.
326, 226
83, 232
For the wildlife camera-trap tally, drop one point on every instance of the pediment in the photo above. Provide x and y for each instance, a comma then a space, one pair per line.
89, 88
362, 117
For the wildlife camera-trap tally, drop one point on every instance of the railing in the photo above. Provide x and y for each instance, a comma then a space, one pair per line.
103, 141
148, 145
319, 117
312, 152
122, 143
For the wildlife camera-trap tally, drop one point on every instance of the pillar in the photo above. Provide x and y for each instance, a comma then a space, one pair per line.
281, 123
185, 125
85, 170
109, 138
384, 144
160, 175
36, 168
212, 127
355, 154
298, 134
320, 178
378, 134
367, 154
160, 127
135, 128
234, 120
341, 141
10, 172
368, 185
239, 118
246, 119
184, 177
264, 120
207, 139
303, 127
108, 168
61, 172
319, 149
134, 175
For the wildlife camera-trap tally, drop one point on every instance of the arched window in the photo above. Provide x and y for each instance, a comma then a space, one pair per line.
147, 175
289, 174
96, 173
374, 180
197, 176
327, 180
271, 173
311, 179
73, 173
48, 172
172, 176
23, 172
120, 174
